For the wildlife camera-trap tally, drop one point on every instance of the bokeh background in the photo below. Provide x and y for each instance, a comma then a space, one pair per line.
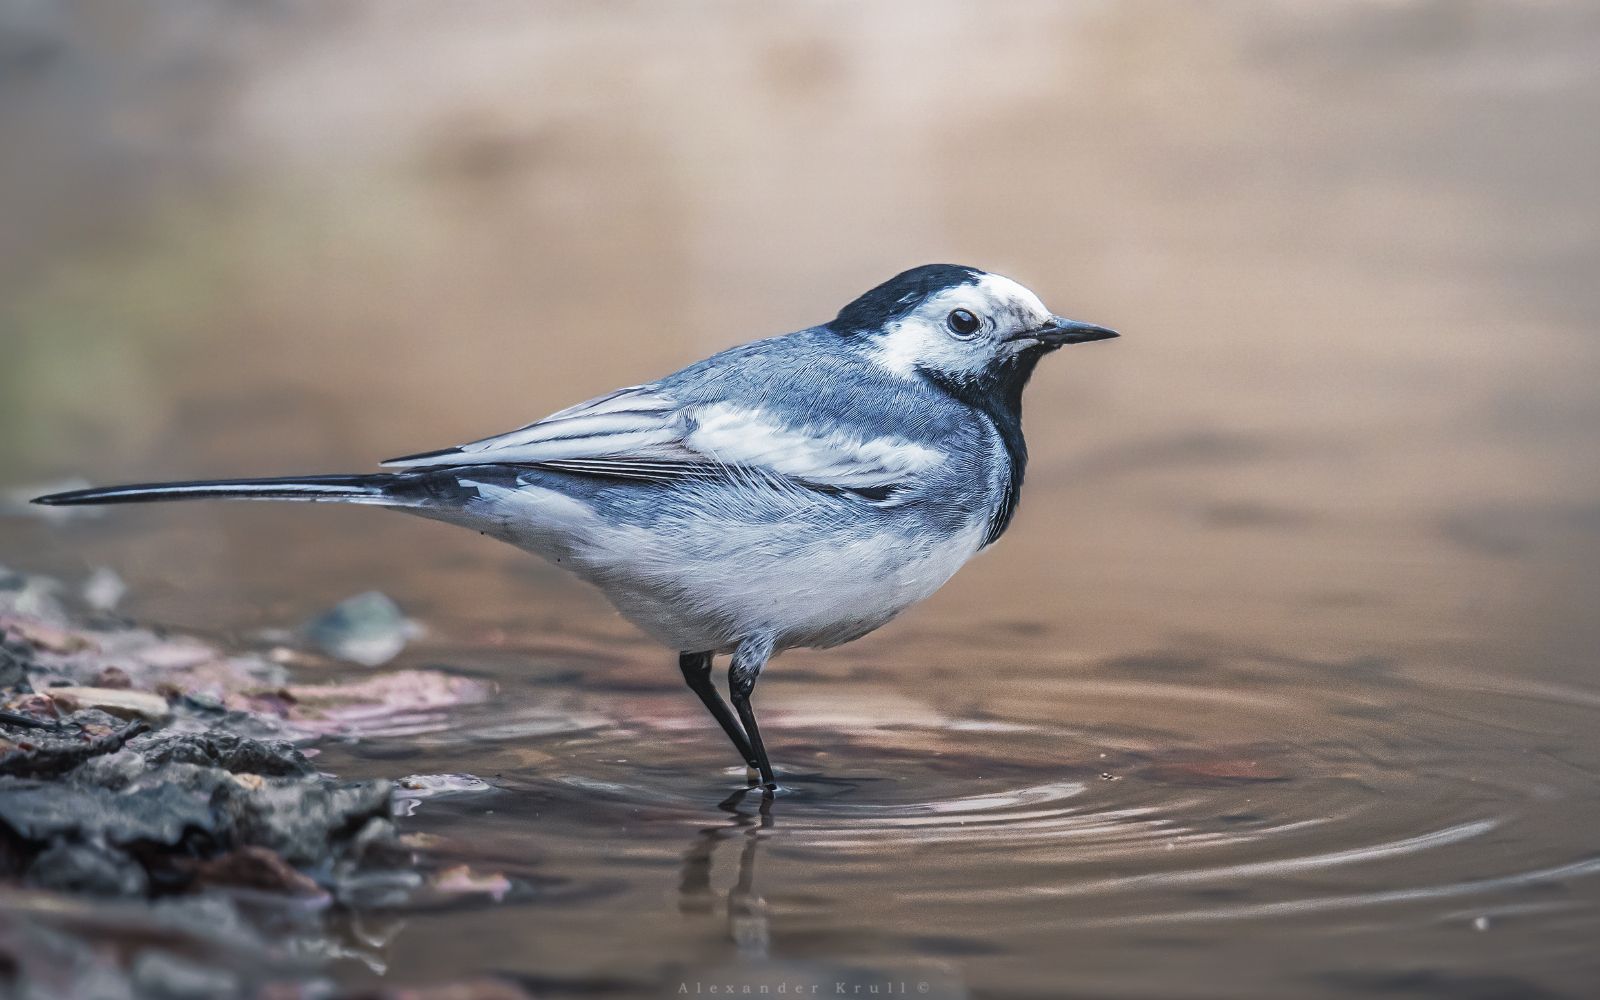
1352, 248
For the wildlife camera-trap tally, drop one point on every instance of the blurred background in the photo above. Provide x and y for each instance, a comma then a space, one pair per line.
1352, 249
1349, 246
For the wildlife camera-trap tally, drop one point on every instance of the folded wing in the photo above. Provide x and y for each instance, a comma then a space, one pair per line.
642, 433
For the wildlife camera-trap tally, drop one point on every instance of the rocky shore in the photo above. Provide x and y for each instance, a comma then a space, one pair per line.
164, 829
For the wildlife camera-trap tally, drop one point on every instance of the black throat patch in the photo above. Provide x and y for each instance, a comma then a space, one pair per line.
997, 394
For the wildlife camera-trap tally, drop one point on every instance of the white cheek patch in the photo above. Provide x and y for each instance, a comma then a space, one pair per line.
915, 342
900, 348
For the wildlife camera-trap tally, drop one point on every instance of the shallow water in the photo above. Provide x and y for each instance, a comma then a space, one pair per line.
1253, 822
1283, 682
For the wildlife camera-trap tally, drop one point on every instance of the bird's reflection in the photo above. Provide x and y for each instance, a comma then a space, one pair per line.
750, 816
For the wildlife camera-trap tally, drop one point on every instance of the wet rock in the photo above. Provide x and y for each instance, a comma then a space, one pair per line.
229, 751
31, 711
147, 790
20, 721
43, 812
111, 771
58, 747
306, 822
91, 869
114, 701
369, 629
179, 811
13, 670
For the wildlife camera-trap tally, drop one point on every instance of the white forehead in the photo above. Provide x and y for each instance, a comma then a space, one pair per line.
995, 296
1003, 291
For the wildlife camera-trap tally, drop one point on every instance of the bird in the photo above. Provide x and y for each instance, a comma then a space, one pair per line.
798, 491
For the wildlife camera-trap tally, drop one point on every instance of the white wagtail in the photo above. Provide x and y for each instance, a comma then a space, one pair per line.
796, 491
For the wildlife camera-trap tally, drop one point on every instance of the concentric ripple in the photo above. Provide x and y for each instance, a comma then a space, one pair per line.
1281, 799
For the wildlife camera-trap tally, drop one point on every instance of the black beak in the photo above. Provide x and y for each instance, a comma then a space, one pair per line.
1060, 331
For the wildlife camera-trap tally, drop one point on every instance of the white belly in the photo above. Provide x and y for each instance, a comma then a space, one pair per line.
705, 584
821, 593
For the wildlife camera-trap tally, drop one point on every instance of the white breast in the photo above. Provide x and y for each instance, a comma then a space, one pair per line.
706, 583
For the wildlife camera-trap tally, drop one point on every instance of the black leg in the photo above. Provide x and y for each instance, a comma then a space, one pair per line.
748, 660
696, 669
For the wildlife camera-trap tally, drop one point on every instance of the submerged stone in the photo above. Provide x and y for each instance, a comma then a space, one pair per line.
374, 704
369, 629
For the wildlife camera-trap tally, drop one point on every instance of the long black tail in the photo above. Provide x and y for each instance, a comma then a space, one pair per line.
374, 488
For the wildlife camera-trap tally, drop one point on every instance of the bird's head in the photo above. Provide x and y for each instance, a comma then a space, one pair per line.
975, 332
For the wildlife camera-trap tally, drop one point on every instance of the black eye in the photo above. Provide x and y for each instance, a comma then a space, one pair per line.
962, 323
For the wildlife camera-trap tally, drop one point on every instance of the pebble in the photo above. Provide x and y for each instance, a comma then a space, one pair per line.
104, 589
368, 629
120, 702
422, 786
